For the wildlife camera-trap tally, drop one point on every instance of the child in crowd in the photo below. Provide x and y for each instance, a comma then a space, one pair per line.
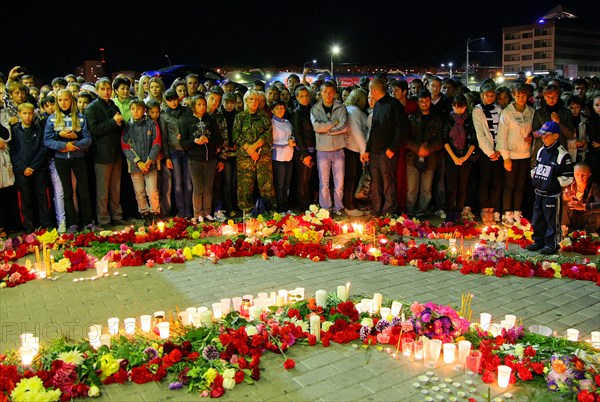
141, 144
460, 143
66, 134
552, 171
29, 158
83, 101
201, 138
282, 154
577, 145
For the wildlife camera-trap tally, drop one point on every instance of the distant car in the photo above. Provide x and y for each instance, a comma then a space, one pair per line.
171, 73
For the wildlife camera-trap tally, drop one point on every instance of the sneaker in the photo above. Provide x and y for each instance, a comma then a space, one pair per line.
200, 219
93, 228
354, 212
72, 229
535, 247
440, 214
497, 216
209, 217
337, 213
508, 218
548, 251
147, 219
62, 227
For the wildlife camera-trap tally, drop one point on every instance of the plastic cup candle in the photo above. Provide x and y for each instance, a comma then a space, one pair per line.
237, 302
595, 337
472, 363
206, 317
262, 295
503, 376
377, 300
449, 352
407, 346
113, 326
26, 338
433, 353
146, 322
280, 301
96, 329
255, 312
27, 355
163, 329
321, 298
105, 340
225, 306
217, 310
300, 293
396, 308
341, 293
572, 334
283, 293
101, 268
94, 339
129, 324
418, 350
464, 347
484, 320
384, 312
510, 319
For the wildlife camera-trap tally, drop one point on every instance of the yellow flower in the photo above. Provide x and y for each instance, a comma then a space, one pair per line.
326, 325
556, 267
32, 389
62, 265
74, 357
48, 237
210, 376
109, 365
199, 250
489, 271
187, 253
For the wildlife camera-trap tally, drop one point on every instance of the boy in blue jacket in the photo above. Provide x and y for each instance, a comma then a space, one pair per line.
29, 157
141, 143
553, 170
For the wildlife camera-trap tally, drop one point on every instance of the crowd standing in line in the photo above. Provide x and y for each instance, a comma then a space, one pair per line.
209, 150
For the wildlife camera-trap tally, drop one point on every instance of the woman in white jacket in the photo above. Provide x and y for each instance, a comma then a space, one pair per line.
356, 145
486, 116
514, 144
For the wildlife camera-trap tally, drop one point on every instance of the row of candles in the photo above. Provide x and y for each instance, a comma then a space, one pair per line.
43, 264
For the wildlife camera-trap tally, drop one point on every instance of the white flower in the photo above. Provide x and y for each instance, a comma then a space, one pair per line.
228, 383
229, 373
368, 322
519, 350
325, 325
94, 391
251, 330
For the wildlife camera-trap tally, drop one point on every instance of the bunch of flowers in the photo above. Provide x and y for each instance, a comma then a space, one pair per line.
79, 260
493, 233
12, 275
574, 373
582, 243
520, 232
488, 252
436, 321
14, 248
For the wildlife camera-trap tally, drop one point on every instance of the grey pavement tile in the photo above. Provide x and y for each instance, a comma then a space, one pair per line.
351, 393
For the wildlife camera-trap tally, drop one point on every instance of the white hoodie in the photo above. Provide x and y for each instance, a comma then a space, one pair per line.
513, 128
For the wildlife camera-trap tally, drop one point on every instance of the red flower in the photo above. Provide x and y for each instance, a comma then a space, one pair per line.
141, 375
289, 364
193, 356
120, 377
239, 376
529, 351
587, 396
524, 374
488, 377
217, 392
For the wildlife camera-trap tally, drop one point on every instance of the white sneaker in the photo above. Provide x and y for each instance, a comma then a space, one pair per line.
354, 212
62, 227
200, 219
209, 218
508, 218
440, 214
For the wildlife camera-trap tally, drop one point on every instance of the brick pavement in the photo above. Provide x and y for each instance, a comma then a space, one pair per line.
339, 372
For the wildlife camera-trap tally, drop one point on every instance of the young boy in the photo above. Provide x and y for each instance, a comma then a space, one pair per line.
29, 157
141, 144
552, 171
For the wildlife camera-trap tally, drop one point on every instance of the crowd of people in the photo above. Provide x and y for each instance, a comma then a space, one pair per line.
211, 149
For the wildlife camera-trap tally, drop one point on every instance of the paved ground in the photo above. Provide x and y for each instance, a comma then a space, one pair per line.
337, 373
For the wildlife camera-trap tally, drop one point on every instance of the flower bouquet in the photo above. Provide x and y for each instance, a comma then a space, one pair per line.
436, 321
581, 242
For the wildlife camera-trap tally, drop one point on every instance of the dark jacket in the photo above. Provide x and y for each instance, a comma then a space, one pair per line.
431, 135
303, 131
471, 138
553, 170
194, 128
389, 126
170, 127
27, 148
443, 107
542, 115
104, 130
591, 196
141, 141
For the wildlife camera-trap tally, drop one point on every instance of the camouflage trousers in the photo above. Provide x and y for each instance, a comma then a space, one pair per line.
249, 173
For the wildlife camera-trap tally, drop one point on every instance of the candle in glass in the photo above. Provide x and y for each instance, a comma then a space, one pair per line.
217, 310
163, 329
341, 293
321, 298
503, 376
129, 324
449, 352
315, 326
377, 300
225, 306
396, 308
27, 355
113, 325
146, 322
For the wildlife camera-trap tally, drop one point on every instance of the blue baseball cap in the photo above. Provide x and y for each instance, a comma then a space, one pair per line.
549, 127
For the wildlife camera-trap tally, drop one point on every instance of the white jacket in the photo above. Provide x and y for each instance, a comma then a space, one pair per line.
513, 128
484, 135
356, 136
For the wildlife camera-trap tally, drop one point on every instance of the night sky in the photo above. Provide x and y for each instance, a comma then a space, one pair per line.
264, 34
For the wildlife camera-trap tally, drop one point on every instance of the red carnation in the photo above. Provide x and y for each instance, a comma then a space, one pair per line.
488, 377
289, 364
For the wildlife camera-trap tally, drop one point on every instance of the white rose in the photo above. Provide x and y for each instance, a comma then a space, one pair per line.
228, 383
367, 322
229, 373
251, 330
94, 391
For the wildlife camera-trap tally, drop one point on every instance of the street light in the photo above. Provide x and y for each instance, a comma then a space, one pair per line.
467, 64
450, 65
334, 51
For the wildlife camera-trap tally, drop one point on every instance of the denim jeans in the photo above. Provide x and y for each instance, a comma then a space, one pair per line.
59, 203
64, 167
108, 192
329, 162
182, 181
146, 188
203, 176
418, 193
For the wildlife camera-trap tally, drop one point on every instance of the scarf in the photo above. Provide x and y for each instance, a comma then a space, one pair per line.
458, 134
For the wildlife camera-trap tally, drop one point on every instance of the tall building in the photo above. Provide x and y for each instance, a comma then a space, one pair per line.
91, 70
558, 42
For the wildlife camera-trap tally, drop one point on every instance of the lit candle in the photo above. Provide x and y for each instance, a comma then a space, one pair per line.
344, 229
315, 326
160, 226
94, 339
396, 308
300, 293
572, 334
129, 324
113, 325
449, 352
484, 320
503, 376
347, 289
206, 317
28, 264
595, 338
146, 322
217, 310
225, 306
27, 355
163, 329
283, 293
321, 298
341, 293
255, 312
37, 253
